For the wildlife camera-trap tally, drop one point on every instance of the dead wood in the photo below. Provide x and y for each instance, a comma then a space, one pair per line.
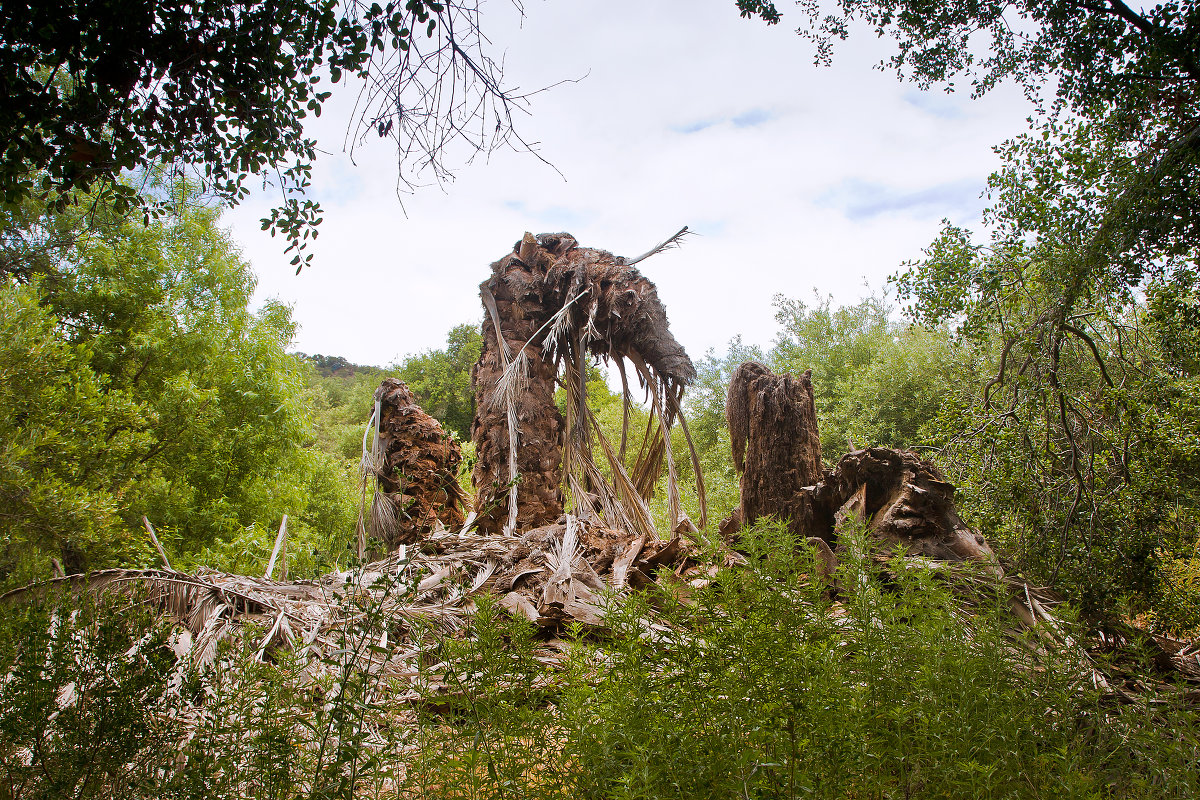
905, 501
415, 463
517, 310
908, 502
553, 575
552, 307
773, 433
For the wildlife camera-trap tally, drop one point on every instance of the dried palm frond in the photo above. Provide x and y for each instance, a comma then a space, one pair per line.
512, 380
672, 241
489, 302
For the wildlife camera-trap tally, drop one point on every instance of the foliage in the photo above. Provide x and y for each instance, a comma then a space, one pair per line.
1124, 81
95, 90
1101, 55
757, 688
914, 684
76, 708
441, 379
876, 380
1077, 449
181, 404
64, 443
1075, 318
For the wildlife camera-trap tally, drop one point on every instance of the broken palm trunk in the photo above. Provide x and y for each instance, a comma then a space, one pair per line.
773, 434
552, 307
904, 500
415, 463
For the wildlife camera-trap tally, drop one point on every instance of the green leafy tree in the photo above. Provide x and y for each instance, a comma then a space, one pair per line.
64, 447
94, 90
441, 379
1064, 442
138, 382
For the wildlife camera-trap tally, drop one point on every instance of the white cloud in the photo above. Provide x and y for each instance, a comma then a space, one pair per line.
796, 178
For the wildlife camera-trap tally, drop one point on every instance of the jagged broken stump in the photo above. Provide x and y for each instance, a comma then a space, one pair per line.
773, 434
416, 466
551, 307
905, 500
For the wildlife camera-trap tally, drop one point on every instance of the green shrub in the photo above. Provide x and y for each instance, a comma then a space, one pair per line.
80, 706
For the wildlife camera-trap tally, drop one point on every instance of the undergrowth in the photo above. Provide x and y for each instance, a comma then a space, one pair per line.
757, 685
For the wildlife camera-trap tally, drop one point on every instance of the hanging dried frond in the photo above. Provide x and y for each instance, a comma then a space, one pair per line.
534, 300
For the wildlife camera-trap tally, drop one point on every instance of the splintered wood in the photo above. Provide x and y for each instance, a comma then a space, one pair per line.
904, 500
773, 434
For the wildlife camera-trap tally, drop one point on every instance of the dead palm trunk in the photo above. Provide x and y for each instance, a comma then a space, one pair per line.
773, 432
518, 431
551, 308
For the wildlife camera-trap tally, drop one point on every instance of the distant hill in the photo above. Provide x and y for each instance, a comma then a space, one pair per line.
336, 366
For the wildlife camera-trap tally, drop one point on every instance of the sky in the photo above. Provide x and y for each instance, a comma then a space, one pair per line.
796, 179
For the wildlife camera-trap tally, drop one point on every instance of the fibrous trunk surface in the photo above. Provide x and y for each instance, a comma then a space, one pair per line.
416, 465
905, 500
552, 307
517, 308
773, 433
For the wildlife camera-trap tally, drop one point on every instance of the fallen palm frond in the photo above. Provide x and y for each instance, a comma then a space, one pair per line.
554, 575
551, 575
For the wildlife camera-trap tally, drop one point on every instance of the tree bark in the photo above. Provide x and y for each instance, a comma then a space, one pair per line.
416, 470
517, 308
773, 432
904, 500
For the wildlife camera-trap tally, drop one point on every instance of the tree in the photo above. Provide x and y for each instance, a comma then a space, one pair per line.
94, 90
138, 382
1124, 81
1065, 444
441, 379
878, 381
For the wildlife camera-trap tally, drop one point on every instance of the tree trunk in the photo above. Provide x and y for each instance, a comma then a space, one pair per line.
416, 466
517, 309
904, 500
773, 431
552, 303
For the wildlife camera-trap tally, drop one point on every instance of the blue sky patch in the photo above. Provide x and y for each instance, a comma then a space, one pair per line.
752, 118
863, 200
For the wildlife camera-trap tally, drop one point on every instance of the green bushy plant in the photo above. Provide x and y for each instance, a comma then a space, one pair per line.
761, 687
81, 706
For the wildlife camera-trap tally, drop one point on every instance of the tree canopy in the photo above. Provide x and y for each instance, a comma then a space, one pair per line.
94, 90
137, 381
